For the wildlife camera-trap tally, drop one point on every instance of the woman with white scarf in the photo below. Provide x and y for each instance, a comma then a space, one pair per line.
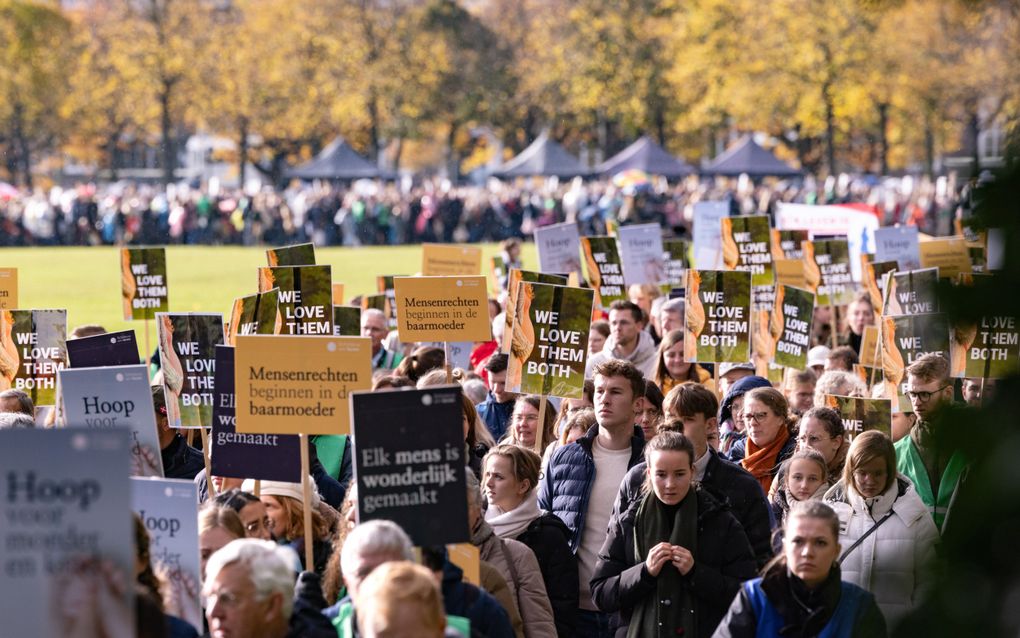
509, 478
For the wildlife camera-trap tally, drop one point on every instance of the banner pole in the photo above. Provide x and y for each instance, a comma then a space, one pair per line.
148, 351
258, 488
540, 430
306, 492
446, 360
190, 437
878, 347
208, 462
715, 378
981, 397
835, 323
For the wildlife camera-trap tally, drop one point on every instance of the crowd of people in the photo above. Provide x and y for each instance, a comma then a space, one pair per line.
672, 498
388, 213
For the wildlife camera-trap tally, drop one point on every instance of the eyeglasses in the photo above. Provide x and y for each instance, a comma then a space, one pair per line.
923, 396
530, 418
757, 417
812, 440
226, 599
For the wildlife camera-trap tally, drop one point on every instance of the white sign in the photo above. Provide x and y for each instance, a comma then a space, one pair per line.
857, 224
708, 234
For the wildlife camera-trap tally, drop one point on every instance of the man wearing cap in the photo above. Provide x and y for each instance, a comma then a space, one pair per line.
730, 373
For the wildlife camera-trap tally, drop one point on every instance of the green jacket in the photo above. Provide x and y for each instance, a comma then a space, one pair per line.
909, 463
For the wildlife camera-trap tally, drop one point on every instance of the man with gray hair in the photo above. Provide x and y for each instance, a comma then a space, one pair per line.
15, 420
671, 315
248, 590
374, 326
16, 401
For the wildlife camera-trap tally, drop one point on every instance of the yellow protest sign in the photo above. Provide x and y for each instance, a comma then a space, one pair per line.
449, 259
338, 294
442, 309
298, 384
8, 288
950, 255
790, 272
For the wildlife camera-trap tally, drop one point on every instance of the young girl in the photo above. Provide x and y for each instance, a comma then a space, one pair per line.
802, 478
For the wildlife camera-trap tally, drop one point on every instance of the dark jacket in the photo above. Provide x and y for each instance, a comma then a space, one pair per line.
802, 613
566, 486
549, 539
180, 460
722, 559
306, 619
728, 483
495, 416
487, 616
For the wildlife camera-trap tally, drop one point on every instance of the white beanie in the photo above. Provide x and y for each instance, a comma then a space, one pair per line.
281, 488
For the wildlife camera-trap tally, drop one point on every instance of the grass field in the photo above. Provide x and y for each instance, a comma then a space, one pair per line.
86, 281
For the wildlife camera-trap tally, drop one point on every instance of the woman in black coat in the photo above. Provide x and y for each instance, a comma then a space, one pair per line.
509, 477
675, 557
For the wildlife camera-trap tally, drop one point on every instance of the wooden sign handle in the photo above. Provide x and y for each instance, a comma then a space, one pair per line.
208, 462
447, 363
306, 492
540, 430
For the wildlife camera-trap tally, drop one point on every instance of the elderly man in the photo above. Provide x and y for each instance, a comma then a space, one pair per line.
373, 326
16, 401
249, 590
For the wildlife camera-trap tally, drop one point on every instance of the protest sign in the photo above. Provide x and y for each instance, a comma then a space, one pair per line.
497, 268
949, 254
988, 349
899, 244
717, 326
267, 457
912, 292
32, 350
745, 247
438, 260
869, 354
187, 352
559, 248
906, 338
827, 268
66, 533
873, 281
115, 397
515, 277
169, 510
549, 340
385, 286
257, 314
346, 321
8, 288
442, 309
379, 302
793, 311
298, 385
857, 221
862, 415
706, 233
338, 294
458, 353
305, 299
296, 255
640, 248
605, 270
676, 254
788, 244
790, 272
143, 282
107, 349
409, 462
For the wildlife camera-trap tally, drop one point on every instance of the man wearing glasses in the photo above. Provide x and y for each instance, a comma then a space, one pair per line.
935, 469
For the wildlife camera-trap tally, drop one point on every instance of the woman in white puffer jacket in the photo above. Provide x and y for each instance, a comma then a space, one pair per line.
887, 536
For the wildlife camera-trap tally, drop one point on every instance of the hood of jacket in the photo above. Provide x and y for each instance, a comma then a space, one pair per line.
739, 389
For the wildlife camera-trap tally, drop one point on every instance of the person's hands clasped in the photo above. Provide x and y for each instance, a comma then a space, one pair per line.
657, 557
682, 559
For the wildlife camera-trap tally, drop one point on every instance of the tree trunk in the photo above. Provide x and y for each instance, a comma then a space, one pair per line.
830, 128
452, 165
929, 144
111, 154
373, 127
242, 150
883, 137
22, 150
973, 131
397, 153
166, 134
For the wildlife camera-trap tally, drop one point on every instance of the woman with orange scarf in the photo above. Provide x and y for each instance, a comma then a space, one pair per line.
771, 437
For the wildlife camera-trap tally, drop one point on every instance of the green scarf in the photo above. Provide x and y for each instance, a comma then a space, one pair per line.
672, 606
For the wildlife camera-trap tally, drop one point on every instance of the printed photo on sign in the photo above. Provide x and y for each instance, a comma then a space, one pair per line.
298, 385
605, 270
718, 316
862, 415
305, 300
8, 288
67, 533
115, 397
267, 457
32, 349
745, 247
169, 510
874, 276
296, 255
906, 338
346, 321
442, 309
187, 353
107, 349
912, 292
899, 244
788, 244
450, 259
409, 462
549, 340
257, 314
988, 349
559, 248
514, 279
143, 282
792, 314
827, 269
641, 251
707, 240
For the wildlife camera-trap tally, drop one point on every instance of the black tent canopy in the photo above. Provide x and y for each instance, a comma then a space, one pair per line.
645, 155
337, 161
747, 157
543, 157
